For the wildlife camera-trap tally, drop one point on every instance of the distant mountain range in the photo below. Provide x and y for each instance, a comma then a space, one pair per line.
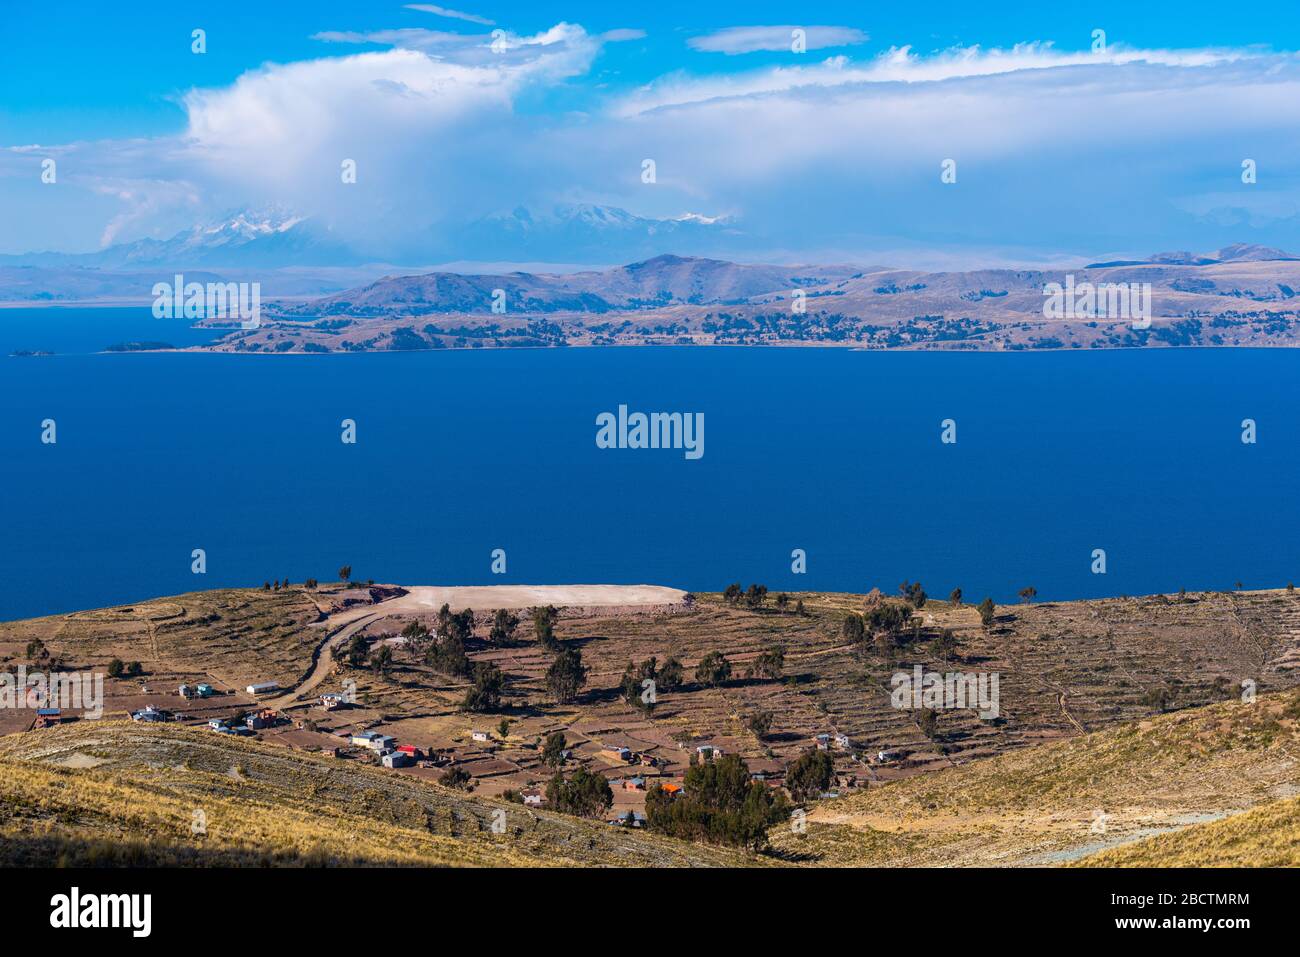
1239, 295
584, 232
275, 238
655, 283
269, 239
1236, 253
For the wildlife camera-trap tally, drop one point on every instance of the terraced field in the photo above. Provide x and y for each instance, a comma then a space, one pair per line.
1063, 801
1107, 669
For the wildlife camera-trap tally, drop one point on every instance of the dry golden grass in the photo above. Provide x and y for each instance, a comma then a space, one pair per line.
267, 805
1267, 836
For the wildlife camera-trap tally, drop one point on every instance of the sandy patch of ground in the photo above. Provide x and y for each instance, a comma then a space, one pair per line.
421, 598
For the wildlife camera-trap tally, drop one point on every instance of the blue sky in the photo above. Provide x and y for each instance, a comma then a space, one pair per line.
833, 152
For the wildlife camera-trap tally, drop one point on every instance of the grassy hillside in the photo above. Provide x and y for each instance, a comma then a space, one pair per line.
116, 793
1268, 836
233, 636
1061, 801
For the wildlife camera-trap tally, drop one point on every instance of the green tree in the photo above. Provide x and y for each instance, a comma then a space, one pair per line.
553, 749
1028, 594
733, 593
456, 778
485, 693
582, 794
503, 627
945, 646
760, 722
810, 775
345, 573
914, 594
954, 598
782, 601
714, 669
115, 667
853, 628
566, 676
357, 651
756, 595
671, 675
544, 624
988, 613
633, 684
381, 662
769, 664
446, 655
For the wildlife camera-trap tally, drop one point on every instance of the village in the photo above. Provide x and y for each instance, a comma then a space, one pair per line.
373, 698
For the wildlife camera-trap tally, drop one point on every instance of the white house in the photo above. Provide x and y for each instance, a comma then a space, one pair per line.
263, 687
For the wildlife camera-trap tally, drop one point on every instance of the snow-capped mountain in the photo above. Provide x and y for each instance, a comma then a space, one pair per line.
586, 232
249, 238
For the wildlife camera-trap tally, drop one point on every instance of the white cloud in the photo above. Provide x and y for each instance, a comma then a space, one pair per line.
1132, 148
450, 14
901, 65
735, 40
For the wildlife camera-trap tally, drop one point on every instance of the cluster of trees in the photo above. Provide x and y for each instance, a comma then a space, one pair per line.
713, 670
754, 596
582, 794
721, 805
638, 693
274, 586
881, 623
769, 664
116, 667
913, 594
446, 653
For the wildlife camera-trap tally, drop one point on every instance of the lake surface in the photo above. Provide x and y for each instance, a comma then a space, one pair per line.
462, 452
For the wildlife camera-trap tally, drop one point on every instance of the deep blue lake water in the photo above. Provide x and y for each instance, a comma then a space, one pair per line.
460, 452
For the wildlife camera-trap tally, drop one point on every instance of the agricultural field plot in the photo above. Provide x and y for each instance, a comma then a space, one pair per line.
228, 638
1064, 669
1059, 803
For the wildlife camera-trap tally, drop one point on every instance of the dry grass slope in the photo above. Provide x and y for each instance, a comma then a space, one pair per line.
1061, 801
117, 793
1268, 836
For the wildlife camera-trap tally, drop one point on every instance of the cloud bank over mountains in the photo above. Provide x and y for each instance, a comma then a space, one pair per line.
827, 158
